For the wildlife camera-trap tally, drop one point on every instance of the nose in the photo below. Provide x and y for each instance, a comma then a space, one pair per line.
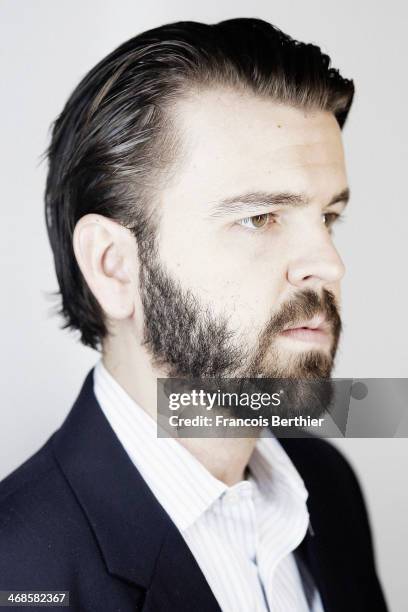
316, 266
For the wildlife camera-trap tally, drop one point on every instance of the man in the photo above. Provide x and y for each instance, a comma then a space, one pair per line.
195, 176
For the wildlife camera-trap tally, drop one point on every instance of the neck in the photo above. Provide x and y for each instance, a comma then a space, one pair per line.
225, 458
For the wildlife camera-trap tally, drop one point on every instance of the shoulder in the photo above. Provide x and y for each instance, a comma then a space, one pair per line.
333, 486
320, 462
336, 500
41, 524
32, 470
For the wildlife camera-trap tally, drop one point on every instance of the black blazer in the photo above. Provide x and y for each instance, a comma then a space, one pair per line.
77, 516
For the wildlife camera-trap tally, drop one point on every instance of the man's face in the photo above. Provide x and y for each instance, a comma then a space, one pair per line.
244, 247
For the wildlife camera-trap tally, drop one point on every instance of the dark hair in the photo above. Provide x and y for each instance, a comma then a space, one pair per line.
114, 141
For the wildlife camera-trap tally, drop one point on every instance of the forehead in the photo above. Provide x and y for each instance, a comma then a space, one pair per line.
237, 141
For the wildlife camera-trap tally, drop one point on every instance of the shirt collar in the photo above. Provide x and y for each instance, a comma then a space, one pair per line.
273, 470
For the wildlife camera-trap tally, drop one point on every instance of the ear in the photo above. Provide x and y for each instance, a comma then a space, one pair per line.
106, 253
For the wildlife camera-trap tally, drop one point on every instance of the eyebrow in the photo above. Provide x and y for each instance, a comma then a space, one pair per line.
261, 199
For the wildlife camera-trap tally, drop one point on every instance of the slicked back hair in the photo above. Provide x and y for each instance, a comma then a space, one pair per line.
114, 143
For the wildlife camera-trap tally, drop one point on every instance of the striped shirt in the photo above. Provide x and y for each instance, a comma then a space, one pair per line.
242, 536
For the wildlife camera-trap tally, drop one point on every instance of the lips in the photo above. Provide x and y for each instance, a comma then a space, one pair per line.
318, 322
312, 330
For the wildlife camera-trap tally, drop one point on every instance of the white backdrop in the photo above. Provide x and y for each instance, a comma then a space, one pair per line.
46, 47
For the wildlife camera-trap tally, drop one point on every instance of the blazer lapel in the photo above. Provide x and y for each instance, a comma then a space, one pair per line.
314, 556
178, 583
137, 539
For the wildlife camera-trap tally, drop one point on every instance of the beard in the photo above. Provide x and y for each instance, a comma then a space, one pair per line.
185, 339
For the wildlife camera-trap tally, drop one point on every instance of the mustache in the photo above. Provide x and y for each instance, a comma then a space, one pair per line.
305, 305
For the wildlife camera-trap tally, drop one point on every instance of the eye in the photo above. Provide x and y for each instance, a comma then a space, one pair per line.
330, 218
256, 222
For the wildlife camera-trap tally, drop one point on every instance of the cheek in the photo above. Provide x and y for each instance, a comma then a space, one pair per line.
248, 295
235, 276
258, 275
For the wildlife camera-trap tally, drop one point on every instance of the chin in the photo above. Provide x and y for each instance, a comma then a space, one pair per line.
308, 365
